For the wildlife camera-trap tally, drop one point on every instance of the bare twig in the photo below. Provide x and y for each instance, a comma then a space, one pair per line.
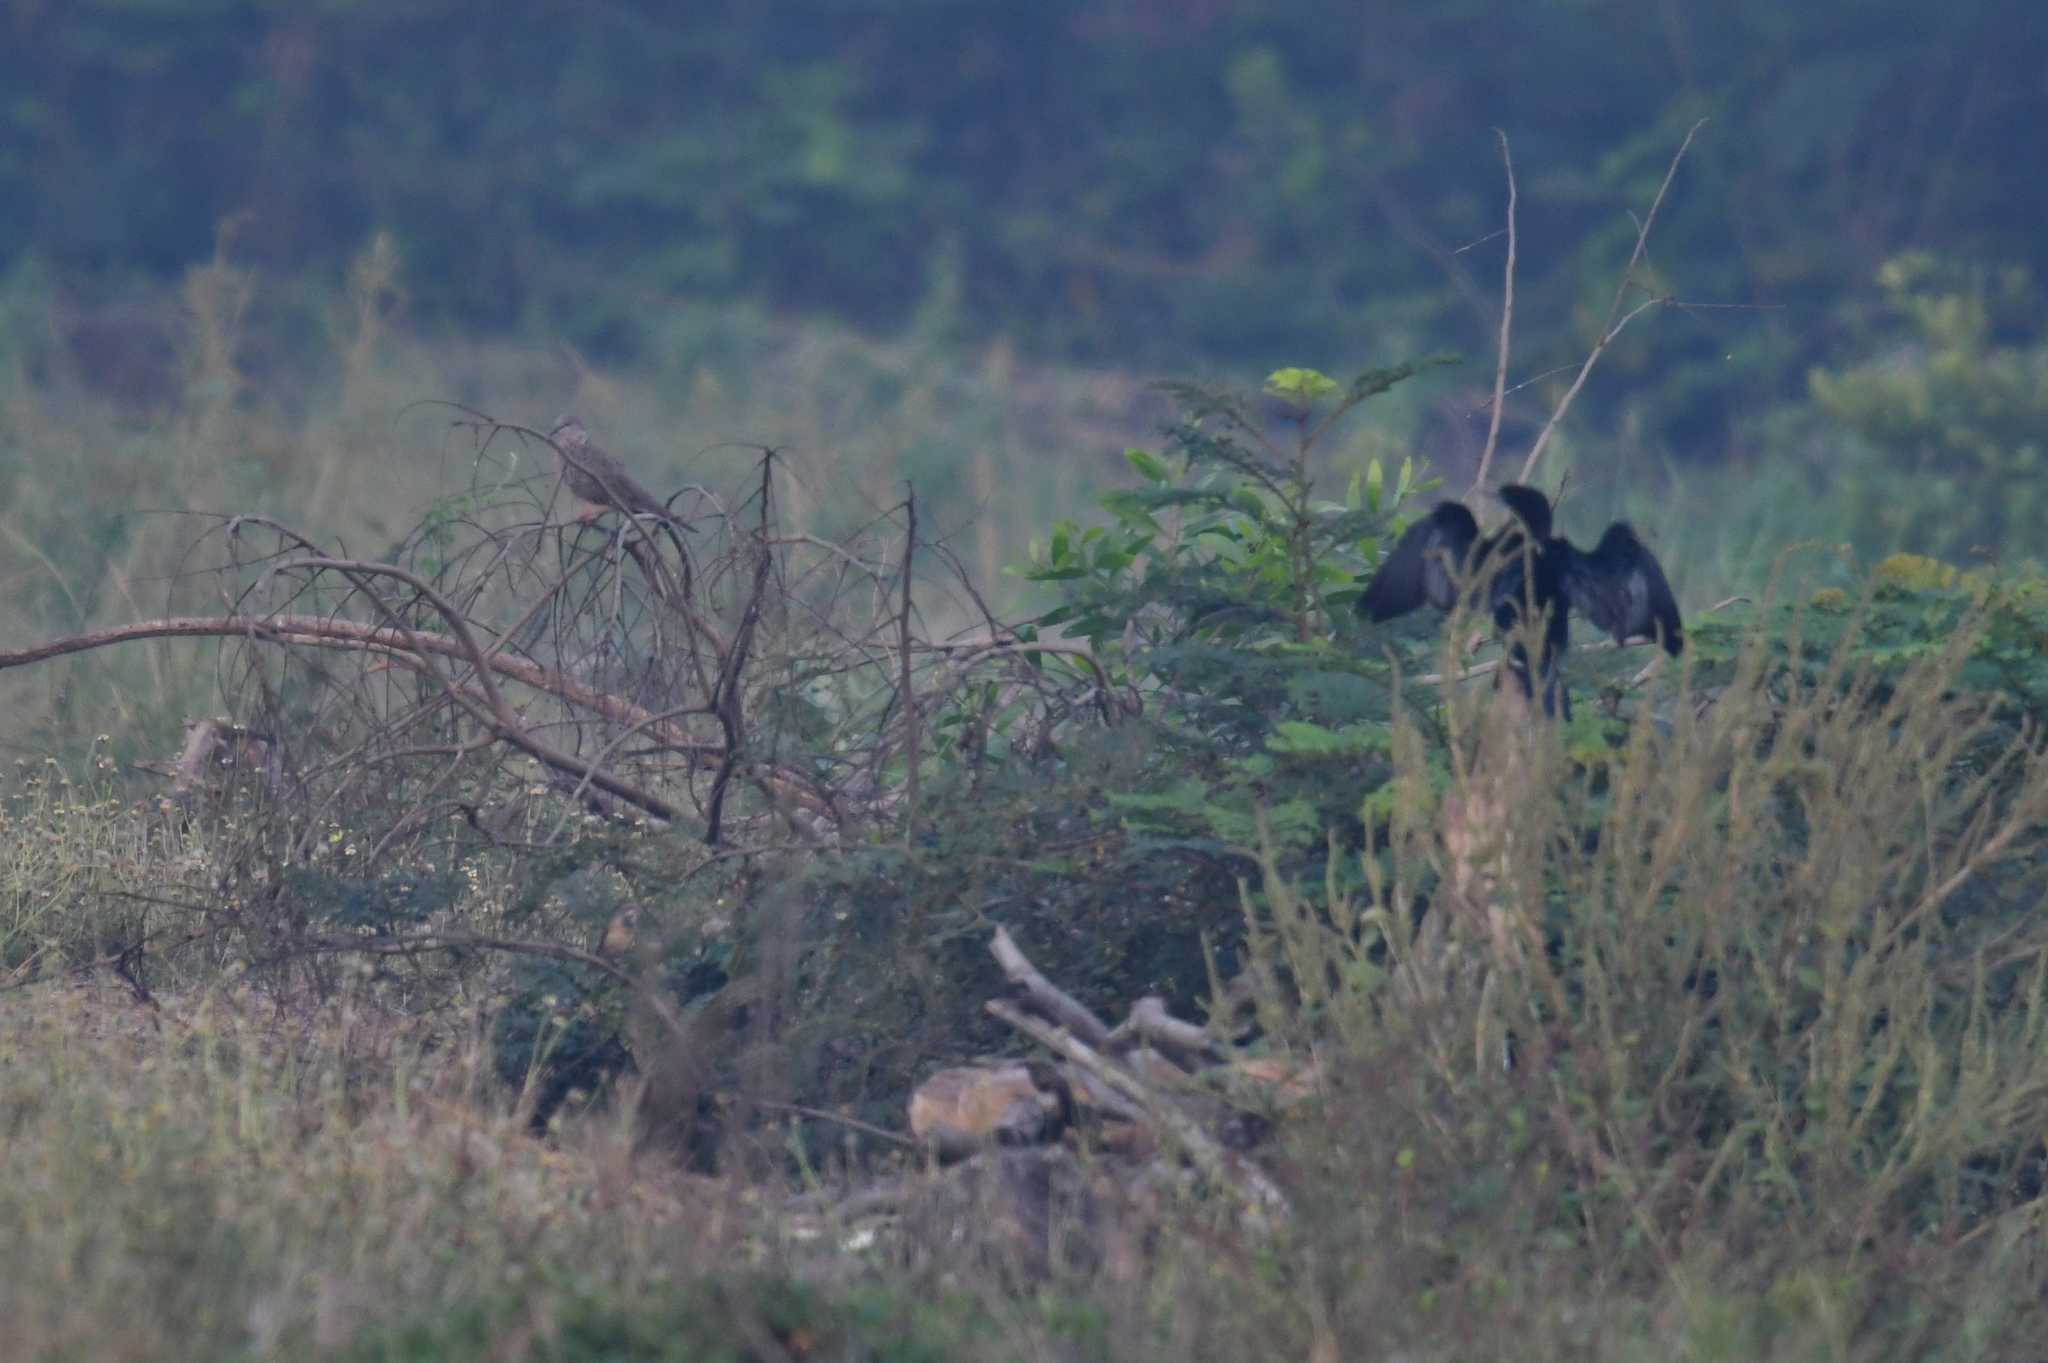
1472, 673
1042, 996
1616, 322
1507, 323
726, 700
416, 943
389, 643
1188, 1045
838, 1118
487, 705
906, 690
25, 975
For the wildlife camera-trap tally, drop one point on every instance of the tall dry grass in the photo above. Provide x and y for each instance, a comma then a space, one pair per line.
1728, 1048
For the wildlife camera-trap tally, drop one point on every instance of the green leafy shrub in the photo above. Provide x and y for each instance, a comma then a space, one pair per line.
1945, 452
1220, 593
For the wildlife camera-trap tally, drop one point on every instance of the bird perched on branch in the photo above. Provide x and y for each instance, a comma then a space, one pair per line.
596, 478
1523, 567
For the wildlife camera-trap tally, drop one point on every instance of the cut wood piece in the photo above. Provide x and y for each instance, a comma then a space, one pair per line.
1042, 997
1264, 1203
1094, 1096
1131, 1140
959, 1111
1187, 1044
1275, 1078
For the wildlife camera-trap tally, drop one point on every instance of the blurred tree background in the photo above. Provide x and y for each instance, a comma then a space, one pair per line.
1150, 182
952, 242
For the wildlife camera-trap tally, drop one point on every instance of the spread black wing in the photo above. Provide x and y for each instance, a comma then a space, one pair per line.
1425, 565
1621, 588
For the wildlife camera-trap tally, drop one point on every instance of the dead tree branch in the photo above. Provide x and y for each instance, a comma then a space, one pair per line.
1507, 326
1616, 322
1043, 996
907, 695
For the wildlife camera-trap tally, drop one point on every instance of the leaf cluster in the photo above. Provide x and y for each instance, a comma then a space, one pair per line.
1935, 443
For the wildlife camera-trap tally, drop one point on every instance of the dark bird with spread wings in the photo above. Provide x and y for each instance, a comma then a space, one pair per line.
1523, 568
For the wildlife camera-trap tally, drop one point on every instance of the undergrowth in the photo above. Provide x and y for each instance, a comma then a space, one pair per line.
1708, 1026
1728, 1045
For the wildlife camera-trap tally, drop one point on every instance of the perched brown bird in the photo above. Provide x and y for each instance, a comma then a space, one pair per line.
597, 479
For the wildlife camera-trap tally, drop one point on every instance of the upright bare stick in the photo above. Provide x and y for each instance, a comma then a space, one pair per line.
1616, 322
904, 681
1507, 322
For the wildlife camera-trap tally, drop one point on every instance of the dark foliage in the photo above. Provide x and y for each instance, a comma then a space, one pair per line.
1141, 181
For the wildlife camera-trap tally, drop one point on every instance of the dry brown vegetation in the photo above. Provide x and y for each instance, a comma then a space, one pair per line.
1777, 1092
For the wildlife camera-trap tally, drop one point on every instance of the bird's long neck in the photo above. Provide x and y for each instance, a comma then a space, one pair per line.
1534, 513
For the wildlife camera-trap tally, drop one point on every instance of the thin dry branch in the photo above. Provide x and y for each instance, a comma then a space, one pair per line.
1507, 324
1044, 997
964, 657
906, 688
727, 703
416, 943
404, 647
1186, 1044
1616, 322
1492, 665
391, 644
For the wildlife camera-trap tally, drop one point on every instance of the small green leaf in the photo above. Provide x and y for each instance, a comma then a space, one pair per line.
1373, 480
1149, 466
1300, 385
1245, 500
1299, 738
